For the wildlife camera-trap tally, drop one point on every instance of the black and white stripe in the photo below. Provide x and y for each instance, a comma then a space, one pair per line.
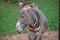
35, 21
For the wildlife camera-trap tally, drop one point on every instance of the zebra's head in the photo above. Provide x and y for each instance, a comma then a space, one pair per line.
24, 17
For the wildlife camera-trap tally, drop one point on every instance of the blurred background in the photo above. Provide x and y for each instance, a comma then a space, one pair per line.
9, 14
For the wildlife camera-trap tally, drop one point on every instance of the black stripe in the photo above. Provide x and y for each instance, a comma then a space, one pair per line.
31, 26
34, 31
38, 17
37, 24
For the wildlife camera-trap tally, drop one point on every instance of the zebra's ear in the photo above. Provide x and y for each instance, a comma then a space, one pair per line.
33, 4
20, 5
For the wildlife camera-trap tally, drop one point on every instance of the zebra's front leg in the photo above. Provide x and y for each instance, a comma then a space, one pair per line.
31, 36
39, 35
39, 38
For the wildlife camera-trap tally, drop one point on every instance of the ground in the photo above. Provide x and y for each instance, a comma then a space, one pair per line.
51, 35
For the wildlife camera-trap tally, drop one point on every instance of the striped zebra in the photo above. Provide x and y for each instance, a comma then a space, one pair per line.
33, 19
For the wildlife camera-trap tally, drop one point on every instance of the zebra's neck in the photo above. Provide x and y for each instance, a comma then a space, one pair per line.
35, 23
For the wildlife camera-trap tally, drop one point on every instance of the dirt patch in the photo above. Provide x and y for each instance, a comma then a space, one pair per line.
46, 36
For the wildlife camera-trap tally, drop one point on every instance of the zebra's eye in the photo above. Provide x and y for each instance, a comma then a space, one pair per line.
22, 17
31, 5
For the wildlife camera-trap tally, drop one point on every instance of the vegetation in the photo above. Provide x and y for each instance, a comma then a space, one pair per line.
9, 15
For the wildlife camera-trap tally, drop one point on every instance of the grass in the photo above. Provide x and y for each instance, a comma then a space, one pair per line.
9, 15
8, 18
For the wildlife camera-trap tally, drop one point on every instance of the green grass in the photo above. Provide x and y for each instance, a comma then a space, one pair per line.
9, 15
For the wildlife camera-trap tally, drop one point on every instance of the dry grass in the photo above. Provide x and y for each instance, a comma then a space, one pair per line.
46, 36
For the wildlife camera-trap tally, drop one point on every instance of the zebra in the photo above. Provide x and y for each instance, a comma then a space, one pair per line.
33, 19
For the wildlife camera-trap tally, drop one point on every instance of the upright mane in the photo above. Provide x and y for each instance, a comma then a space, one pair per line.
26, 3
